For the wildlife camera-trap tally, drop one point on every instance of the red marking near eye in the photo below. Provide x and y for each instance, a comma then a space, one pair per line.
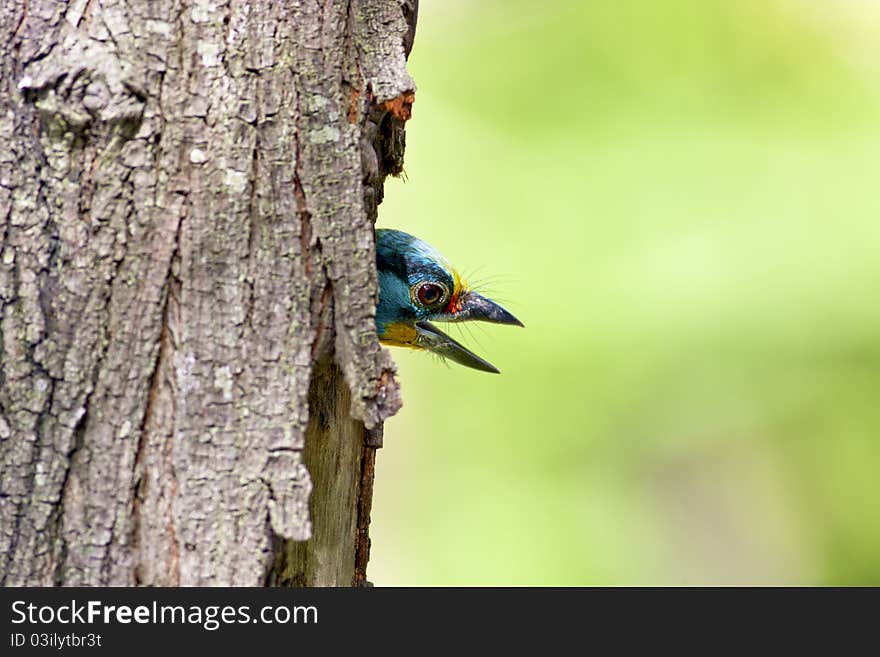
454, 304
458, 292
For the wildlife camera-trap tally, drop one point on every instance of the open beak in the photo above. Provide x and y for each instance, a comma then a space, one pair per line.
473, 307
476, 307
433, 339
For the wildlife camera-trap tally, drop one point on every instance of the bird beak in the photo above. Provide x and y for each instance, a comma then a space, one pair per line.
434, 340
476, 307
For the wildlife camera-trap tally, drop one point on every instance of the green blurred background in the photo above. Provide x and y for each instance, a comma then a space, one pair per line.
680, 200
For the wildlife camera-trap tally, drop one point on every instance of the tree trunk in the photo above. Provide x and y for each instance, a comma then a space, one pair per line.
191, 386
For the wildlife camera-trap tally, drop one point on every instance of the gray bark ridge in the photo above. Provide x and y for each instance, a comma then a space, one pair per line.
186, 229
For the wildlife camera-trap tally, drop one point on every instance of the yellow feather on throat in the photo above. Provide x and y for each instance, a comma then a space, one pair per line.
400, 335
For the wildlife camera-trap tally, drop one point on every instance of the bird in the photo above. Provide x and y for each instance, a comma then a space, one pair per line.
417, 286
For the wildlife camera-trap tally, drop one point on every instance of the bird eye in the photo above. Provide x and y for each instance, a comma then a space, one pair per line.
430, 294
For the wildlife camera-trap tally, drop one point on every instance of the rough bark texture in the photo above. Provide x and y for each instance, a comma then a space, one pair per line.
187, 192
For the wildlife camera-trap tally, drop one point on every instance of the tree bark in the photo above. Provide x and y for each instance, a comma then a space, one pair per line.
187, 281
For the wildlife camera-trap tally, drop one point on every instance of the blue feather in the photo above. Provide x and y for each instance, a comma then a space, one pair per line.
402, 260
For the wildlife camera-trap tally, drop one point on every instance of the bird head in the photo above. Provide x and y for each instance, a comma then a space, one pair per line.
418, 286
